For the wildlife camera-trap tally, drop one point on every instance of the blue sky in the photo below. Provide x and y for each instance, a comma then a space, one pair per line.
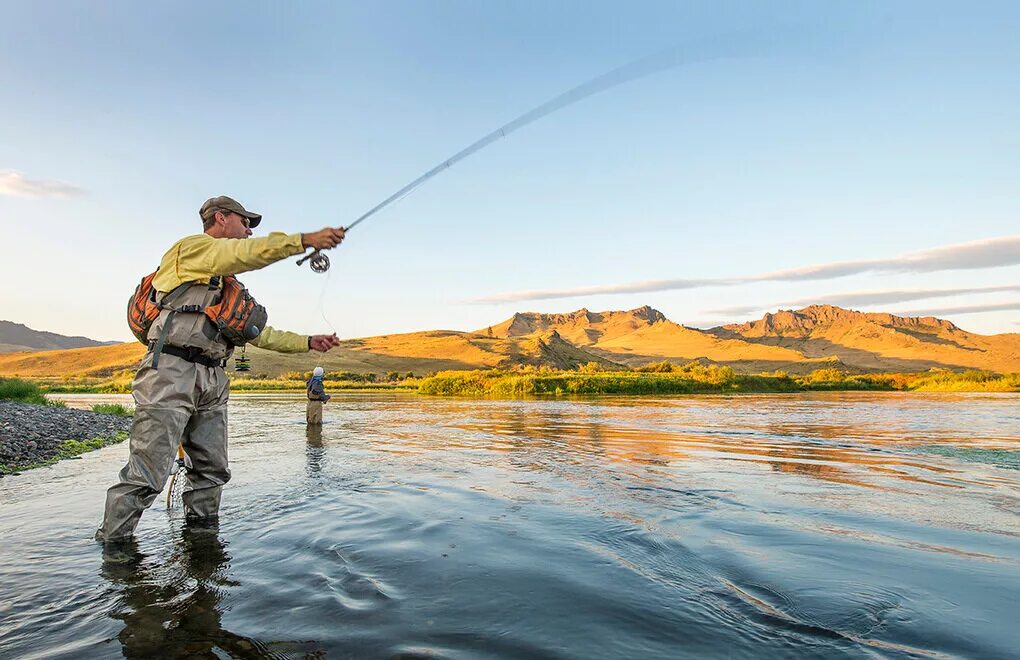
853, 134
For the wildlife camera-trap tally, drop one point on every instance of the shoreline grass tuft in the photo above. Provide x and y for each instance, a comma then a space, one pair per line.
24, 391
113, 409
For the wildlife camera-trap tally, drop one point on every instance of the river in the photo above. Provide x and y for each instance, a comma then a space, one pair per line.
810, 525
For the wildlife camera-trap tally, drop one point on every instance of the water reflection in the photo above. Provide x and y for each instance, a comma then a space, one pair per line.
865, 453
173, 608
315, 449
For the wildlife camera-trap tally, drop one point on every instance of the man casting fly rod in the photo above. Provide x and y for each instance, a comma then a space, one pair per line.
191, 313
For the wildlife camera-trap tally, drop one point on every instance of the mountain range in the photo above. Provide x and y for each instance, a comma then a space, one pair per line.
796, 341
17, 337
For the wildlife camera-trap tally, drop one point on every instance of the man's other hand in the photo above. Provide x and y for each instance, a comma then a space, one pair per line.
324, 239
323, 343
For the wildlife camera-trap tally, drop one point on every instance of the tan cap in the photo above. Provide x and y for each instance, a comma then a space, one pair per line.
224, 203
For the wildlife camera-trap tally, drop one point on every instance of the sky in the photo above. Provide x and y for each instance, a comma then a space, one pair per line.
864, 154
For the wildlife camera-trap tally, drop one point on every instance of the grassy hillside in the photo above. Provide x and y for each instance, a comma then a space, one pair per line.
97, 361
878, 341
798, 342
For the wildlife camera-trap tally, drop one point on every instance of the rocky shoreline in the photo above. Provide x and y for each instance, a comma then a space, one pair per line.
31, 435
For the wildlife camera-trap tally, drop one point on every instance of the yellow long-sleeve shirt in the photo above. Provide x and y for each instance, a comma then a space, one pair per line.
200, 257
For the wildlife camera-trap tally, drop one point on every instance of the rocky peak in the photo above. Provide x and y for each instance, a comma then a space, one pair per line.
647, 313
802, 322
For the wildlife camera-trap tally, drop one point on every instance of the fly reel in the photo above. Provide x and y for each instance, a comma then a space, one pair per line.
317, 261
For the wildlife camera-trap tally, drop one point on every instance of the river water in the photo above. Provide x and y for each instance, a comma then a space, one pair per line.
822, 525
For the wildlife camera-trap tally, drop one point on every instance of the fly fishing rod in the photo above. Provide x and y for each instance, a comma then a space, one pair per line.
717, 48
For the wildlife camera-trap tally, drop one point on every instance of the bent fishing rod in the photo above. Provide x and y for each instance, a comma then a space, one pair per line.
731, 46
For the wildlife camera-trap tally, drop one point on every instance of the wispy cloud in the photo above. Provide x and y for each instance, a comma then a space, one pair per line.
867, 298
963, 309
14, 184
989, 253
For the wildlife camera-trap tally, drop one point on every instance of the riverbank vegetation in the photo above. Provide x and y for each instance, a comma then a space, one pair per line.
658, 378
23, 391
697, 378
295, 382
120, 383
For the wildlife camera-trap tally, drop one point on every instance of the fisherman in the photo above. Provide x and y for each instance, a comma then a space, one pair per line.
316, 397
180, 389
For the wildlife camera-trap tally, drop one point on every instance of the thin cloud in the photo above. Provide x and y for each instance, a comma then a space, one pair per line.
634, 287
962, 256
964, 309
989, 253
14, 184
868, 298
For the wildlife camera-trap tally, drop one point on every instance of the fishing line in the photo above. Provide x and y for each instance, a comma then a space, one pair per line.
732, 45
322, 306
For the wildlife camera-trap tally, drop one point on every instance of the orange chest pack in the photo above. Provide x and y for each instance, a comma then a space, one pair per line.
233, 311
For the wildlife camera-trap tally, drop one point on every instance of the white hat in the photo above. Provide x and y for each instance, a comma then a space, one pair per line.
317, 371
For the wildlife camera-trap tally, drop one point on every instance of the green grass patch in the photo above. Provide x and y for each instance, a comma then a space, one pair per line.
69, 449
113, 409
24, 391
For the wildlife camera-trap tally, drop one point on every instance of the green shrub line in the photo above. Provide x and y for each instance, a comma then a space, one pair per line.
123, 386
590, 379
697, 378
69, 449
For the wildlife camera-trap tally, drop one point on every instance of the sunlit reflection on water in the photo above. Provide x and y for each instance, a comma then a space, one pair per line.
821, 525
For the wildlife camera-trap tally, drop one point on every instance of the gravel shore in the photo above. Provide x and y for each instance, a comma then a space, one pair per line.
31, 434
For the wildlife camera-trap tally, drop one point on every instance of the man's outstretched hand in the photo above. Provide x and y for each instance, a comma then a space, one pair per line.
323, 343
324, 239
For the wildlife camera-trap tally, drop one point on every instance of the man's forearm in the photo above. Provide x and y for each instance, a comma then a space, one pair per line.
281, 341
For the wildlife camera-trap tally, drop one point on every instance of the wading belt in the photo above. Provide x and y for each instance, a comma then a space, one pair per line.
189, 354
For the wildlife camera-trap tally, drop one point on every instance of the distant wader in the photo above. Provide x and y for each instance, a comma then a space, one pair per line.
180, 394
313, 413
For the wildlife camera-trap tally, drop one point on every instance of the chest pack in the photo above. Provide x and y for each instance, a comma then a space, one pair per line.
232, 311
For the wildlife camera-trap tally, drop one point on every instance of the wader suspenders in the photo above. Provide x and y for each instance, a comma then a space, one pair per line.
214, 283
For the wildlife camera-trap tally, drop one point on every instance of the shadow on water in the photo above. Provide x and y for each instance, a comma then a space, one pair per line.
173, 608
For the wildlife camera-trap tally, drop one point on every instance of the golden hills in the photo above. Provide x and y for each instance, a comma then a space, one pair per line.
795, 341
879, 342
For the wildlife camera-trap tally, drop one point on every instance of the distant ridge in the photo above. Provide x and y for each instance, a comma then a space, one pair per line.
804, 321
796, 341
878, 341
19, 337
